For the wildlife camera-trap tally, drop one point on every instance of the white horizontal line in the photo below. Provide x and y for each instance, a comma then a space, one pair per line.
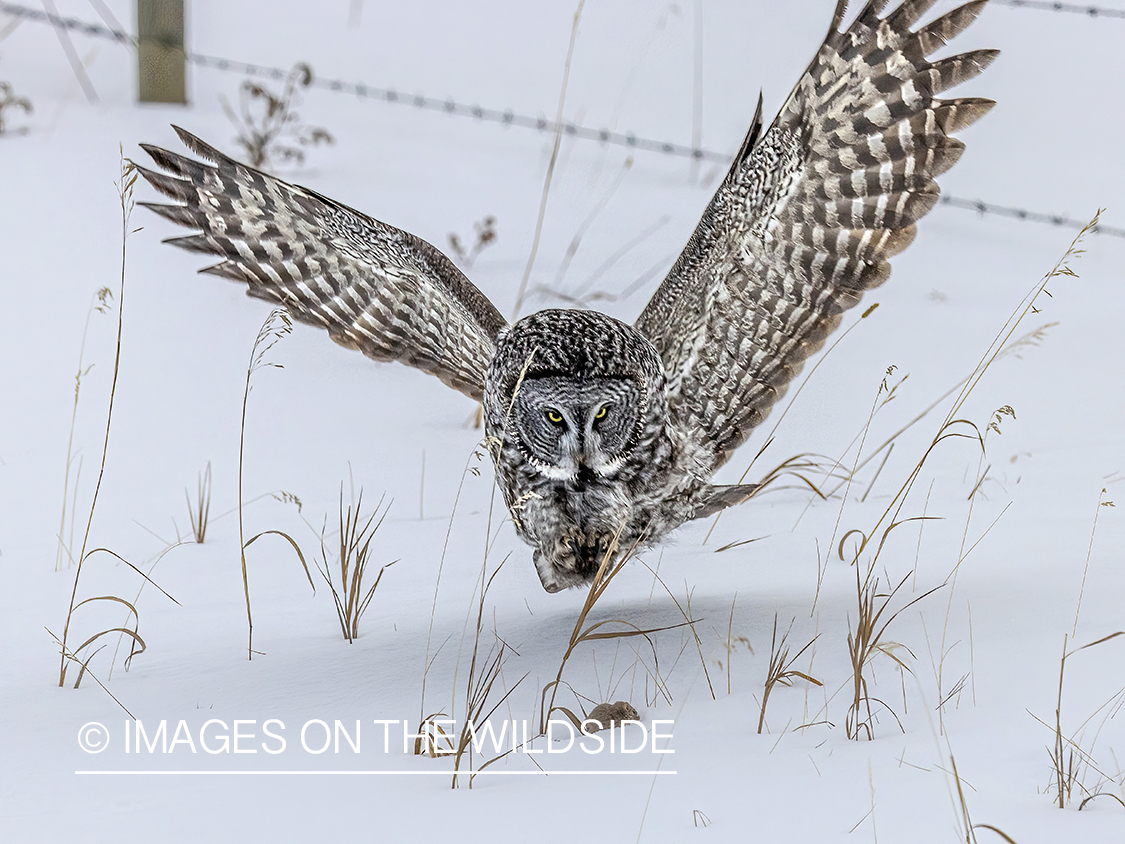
382, 773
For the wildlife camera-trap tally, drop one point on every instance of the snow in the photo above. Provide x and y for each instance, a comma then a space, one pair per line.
331, 422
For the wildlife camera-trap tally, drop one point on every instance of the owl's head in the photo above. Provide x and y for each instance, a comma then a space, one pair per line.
576, 426
577, 390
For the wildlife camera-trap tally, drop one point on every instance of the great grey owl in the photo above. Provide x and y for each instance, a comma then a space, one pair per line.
605, 435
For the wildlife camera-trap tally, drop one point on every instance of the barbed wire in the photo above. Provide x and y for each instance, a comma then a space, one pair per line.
1030, 216
1075, 8
508, 117
84, 27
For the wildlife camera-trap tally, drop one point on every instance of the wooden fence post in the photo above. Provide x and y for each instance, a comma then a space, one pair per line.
160, 51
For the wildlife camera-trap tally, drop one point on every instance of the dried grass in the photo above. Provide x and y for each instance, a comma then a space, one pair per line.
276, 326
99, 304
485, 231
867, 636
583, 633
199, 512
10, 102
485, 670
84, 653
549, 177
968, 828
270, 130
352, 558
1070, 762
781, 670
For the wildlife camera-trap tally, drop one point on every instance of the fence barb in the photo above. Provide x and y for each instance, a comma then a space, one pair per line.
541, 123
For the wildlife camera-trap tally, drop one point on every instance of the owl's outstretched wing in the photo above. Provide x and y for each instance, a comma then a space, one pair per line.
809, 215
374, 288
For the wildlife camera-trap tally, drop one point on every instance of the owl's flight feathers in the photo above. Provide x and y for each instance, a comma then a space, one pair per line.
374, 288
809, 215
805, 221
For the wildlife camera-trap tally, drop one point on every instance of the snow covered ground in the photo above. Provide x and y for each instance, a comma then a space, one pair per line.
970, 672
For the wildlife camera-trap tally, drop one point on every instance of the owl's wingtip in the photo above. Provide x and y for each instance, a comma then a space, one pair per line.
198, 146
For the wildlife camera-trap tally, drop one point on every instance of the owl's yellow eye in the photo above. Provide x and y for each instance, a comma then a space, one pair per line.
554, 416
602, 411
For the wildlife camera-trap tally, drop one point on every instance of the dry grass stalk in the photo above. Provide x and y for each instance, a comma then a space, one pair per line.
1089, 799
1004, 343
72, 657
99, 303
804, 467
968, 828
199, 513
522, 292
690, 624
68, 654
470, 470
584, 292
578, 296
485, 669
265, 118
1102, 502
277, 325
866, 640
353, 556
781, 417
730, 630
781, 668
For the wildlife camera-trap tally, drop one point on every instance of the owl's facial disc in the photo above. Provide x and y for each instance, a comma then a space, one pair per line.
573, 425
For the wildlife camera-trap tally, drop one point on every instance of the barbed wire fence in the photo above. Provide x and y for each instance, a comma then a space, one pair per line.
1074, 8
508, 117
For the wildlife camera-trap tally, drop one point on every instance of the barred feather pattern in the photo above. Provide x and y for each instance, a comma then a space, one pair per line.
808, 216
374, 288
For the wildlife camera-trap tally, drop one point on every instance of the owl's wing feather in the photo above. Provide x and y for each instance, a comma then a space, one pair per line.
808, 216
374, 288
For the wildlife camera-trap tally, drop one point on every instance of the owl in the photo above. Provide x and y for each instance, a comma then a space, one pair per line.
605, 436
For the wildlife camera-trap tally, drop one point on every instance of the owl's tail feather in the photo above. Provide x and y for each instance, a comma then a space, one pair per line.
720, 497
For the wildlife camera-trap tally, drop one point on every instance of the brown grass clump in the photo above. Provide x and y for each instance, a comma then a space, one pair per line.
781, 669
199, 513
353, 555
